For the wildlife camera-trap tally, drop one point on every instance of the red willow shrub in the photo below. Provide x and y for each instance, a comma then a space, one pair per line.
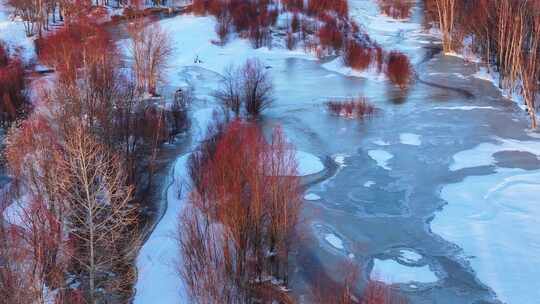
356, 55
330, 35
69, 47
250, 19
399, 69
380, 293
13, 97
397, 9
249, 186
353, 108
291, 5
295, 23
320, 7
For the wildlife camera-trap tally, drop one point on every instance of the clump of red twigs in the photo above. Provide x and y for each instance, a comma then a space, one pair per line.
357, 108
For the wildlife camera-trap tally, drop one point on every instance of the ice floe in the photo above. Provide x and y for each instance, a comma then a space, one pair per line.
392, 272
381, 157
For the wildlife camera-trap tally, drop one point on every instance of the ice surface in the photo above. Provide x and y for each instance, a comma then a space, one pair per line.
334, 241
496, 220
381, 157
482, 155
410, 139
312, 197
392, 272
308, 163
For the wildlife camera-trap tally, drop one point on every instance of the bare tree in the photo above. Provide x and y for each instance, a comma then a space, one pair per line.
250, 85
530, 69
100, 213
446, 12
257, 87
229, 93
150, 49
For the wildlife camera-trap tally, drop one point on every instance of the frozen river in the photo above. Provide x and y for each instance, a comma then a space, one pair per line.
436, 194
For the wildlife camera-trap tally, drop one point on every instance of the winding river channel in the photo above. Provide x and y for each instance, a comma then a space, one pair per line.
399, 171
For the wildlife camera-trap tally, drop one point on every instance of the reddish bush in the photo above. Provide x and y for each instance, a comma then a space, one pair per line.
398, 69
319, 7
69, 47
397, 9
295, 23
356, 55
292, 5
3, 56
353, 108
330, 36
12, 87
380, 293
291, 41
379, 58
199, 7
249, 186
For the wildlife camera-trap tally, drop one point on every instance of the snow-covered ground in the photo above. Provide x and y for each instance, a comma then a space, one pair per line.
405, 35
495, 219
192, 38
13, 35
157, 264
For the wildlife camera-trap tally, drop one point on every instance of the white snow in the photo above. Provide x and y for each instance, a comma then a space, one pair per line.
392, 272
334, 241
381, 157
496, 219
308, 163
338, 66
340, 159
368, 184
409, 255
12, 33
312, 197
482, 155
466, 108
494, 77
157, 263
404, 35
410, 139
192, 37
380, 142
